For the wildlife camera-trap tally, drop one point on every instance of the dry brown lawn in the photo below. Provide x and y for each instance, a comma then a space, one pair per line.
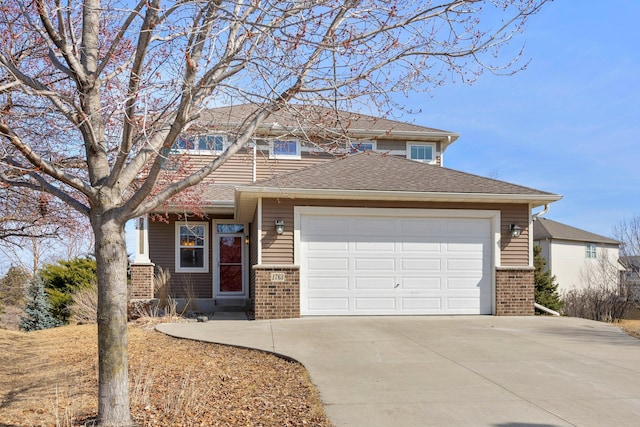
49, 378
631, 327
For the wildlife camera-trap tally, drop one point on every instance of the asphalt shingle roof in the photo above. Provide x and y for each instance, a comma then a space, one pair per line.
544, 228
304, 117
379, 172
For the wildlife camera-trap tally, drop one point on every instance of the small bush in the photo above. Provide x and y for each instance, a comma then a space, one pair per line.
37, 309
63, 279
84, 308
601, 303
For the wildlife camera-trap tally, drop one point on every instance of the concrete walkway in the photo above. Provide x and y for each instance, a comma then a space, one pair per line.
453, 371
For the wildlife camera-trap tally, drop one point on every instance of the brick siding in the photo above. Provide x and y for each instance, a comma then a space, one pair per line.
279, 298
141, 281
515, 291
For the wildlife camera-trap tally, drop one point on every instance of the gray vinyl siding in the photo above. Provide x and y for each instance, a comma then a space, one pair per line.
162, 251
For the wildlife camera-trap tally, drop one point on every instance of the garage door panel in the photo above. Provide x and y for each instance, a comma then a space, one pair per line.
329, 304
474, 248
430, 305
327, 264
318, 226
463, 283
421, 264
375, 304
461, 264
374, 264
375, 246
421, 283
419, 227
390, 265
463, 304
415, 245
364, 226
329, 244
328, 282
375, 283
467, 228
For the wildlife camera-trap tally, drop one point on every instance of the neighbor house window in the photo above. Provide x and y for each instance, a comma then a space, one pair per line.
591, 250
201, 144
284, 149
362, 146
421, 152
192, 252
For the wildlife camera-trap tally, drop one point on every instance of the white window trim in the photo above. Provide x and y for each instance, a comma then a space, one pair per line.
354, 145
296, 156
422, 144
205, 267
590, 248
225, 145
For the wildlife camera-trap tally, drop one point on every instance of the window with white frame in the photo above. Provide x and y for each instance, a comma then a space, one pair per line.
192, 249
200, 144
284, 149
590, 250
421, 152
357, 146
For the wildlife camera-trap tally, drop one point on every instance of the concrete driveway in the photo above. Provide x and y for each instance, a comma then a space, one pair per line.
453, 371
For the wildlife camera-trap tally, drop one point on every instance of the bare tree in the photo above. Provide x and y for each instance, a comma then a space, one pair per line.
600, 295
37, 228
92, 91
24, 214
627, 232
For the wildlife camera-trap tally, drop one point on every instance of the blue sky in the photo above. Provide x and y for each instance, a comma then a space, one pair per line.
569, 124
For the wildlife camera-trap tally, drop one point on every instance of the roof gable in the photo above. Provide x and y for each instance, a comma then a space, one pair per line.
317, 120
544, 228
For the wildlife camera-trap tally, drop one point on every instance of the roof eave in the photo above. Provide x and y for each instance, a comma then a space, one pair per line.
226, 207
446, 137
246, 197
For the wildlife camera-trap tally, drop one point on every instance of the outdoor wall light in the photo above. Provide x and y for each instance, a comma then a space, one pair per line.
279, 226
515, 230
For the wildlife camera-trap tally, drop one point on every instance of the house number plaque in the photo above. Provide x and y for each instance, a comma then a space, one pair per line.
277, 277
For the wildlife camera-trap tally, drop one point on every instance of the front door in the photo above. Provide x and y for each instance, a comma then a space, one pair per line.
230, 260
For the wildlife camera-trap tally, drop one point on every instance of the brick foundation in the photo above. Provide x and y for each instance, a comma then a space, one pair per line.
277, 291
141, 281
515, 291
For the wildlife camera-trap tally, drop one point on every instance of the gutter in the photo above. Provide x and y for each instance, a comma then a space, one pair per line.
540, 199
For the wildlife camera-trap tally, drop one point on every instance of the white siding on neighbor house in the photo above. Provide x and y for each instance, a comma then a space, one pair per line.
568, 262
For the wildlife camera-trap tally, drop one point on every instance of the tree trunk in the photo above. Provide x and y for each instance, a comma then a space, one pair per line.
113, 384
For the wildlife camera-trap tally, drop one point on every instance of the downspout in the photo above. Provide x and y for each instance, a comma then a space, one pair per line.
535, 304
545, 309
542, 212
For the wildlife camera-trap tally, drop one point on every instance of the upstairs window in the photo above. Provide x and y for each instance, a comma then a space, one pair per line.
284, 149
191, 247
421, 152
358, 146
590, 250
201, 144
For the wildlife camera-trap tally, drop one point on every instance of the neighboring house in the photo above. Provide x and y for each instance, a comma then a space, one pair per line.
376, 227
631, 272
571, 253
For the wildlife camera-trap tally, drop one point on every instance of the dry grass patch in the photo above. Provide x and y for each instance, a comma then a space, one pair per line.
48, 378
631, 327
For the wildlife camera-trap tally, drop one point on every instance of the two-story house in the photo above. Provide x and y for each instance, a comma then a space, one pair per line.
340, 214
578, 258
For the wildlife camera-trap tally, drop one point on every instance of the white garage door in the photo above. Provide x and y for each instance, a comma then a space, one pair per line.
376, 265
